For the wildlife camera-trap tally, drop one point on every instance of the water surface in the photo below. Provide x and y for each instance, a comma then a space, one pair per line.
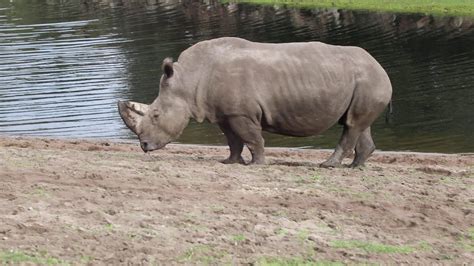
64, 65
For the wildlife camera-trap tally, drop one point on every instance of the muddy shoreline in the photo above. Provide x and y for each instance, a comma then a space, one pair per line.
102, 202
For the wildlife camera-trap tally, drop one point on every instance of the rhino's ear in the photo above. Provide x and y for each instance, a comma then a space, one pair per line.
167, 67
132, 113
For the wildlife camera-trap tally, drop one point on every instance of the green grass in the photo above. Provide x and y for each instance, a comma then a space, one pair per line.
371, 247
425, 246
434, 7
85, 259
204, 255
303, 235
281, 232
20, 257
294, 262
109, 226
467, 242
217, 209
238, 238
315, 178
40, 192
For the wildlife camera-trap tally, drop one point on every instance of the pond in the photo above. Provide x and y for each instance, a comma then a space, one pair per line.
64, 65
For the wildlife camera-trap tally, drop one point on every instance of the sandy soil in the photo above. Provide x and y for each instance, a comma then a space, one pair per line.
80, 202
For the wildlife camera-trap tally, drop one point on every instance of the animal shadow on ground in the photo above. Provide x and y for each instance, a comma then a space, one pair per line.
293, 163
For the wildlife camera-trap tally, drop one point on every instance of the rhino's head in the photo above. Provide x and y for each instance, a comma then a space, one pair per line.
162, 121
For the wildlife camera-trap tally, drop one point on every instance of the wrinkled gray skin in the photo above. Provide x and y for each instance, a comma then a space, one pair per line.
294, 89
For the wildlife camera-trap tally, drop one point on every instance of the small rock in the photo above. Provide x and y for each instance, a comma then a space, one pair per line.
261, 216
435, 170
331, 225
111, 212
262, 230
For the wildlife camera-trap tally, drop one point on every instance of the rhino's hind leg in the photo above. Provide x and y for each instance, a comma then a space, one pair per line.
235, 144
364, 148
344, 148
251, 135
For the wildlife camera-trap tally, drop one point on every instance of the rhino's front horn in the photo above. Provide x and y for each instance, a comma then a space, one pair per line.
131, 113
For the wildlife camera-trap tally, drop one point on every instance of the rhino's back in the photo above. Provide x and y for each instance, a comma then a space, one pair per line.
293, 88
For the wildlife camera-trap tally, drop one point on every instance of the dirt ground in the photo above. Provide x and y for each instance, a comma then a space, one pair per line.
100, 202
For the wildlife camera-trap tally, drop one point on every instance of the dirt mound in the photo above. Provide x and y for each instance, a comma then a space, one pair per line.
79, 202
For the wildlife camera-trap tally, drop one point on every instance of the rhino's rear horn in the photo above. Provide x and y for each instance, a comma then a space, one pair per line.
168, 67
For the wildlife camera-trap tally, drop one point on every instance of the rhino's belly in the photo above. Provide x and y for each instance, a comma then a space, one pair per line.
295, 115
300, 126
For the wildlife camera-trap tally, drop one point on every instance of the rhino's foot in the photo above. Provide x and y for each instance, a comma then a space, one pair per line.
233, 160
357, 165
330, 164
257, 161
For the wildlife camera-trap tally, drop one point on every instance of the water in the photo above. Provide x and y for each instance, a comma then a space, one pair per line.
64, 64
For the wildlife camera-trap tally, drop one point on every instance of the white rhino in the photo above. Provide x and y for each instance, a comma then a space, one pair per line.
294, 89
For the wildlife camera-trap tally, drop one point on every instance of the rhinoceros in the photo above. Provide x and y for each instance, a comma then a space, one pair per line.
294, 89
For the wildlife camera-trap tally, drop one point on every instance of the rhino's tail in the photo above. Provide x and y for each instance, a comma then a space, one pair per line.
389, 112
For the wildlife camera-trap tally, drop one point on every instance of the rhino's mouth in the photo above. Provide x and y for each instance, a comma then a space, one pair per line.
148, 146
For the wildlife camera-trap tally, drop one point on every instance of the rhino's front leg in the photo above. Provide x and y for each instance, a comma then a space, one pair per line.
251, 135
235, 144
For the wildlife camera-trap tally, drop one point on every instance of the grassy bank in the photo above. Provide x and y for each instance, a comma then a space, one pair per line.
434, 7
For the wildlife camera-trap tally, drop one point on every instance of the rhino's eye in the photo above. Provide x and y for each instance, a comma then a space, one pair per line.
156, 113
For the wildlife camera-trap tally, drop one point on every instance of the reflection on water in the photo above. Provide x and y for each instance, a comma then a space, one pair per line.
63, 65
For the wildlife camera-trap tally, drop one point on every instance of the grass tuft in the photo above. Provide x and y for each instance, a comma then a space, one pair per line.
467, 241
294, 262
433, 7
371, 247
203, 255
238, 238
20, 257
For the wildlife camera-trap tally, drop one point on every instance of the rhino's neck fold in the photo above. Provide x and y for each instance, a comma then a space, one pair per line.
198, 112
196, 99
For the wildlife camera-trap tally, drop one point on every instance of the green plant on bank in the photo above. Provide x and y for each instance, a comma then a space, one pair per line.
425, 246
109, 226
217, 208
360, 195
309, 179
20, 257
238, 238
281, 232
316, 177
295, 261
371, 247
279, 213
446, 257
467, 242
85, 259
40, 192
204, 255
433, 7
303, 235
